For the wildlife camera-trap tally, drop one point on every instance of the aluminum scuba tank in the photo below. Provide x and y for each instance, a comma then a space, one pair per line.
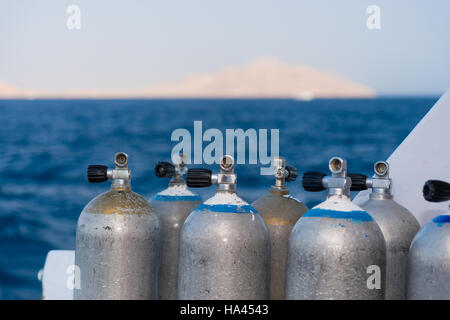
118, 240
429, 255
398, 224
336, 249
172, 206
280, 212
224, 243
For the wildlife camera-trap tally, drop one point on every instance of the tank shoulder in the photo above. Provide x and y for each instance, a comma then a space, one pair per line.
338, 225
393, 218
435, 229
442, 220
176, 193
387, 206
433, 239
339, 208
276, 204
226, 198
119, 202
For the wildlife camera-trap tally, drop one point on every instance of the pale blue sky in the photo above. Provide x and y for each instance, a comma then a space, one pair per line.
129, 44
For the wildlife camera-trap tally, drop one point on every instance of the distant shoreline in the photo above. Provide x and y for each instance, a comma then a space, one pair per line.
378, 97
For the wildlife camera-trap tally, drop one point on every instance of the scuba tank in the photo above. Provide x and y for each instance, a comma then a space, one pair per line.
280, 212
336, 250
118, 240
224, 243
172, 206
429, 255
398, 225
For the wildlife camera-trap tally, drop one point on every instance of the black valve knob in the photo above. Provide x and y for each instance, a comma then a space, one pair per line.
97, 173
164, 169
312, 181
292, 173
198, 178
436, 191
358, 182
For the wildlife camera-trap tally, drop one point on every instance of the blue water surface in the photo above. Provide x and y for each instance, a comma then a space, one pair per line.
47, 145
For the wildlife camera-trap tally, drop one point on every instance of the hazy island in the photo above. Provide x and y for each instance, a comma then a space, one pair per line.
263, 78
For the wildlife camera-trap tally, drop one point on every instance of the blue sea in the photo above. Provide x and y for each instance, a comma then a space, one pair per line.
48, 144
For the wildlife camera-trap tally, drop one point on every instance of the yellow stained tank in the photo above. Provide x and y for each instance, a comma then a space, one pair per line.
118, 240
280, 212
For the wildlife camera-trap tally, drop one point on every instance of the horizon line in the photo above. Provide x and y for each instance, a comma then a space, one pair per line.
381, 96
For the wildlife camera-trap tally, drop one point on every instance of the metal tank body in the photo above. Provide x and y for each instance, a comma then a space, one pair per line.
224, 248
399, 226
429, 262
330, 250
172, 205
280, 211
429, 255
118, 246
224, 252
336, 250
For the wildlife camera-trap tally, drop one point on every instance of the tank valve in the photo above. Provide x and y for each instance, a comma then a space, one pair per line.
283, 173
436, 191
164, 169
199, 178
359, 181
226, 179
380, 182
337, 183
99, 173
292, 173
177, 169
313, 181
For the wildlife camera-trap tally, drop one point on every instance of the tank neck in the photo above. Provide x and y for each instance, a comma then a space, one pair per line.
277, 190
226, 188
282, 174
339, 193
279, 183
380, 194
338, 184
380, 183
226, 179
177, 180
121, 185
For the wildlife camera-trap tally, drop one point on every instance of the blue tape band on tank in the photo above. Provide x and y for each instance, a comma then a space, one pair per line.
439, 220
164, 197
355, 216
227, 208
